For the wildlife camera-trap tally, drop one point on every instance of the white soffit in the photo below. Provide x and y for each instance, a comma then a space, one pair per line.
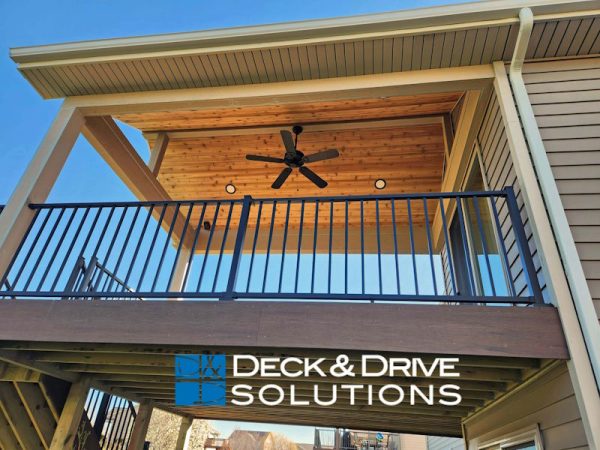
427, 38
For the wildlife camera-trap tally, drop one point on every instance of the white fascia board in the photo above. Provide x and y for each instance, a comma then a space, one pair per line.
316, 30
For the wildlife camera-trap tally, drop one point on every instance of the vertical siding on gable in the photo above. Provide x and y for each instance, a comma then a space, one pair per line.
565, 96
499, 173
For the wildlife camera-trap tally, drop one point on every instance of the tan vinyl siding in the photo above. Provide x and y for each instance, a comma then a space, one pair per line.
549, 401
499, 172
444, 443
565, 96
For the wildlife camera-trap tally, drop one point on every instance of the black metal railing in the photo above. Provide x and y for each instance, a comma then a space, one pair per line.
450, 247
111, 419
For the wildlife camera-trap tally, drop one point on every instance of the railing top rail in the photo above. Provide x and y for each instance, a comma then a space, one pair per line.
339, 198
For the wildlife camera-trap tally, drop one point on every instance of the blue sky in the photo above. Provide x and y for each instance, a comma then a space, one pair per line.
25, 117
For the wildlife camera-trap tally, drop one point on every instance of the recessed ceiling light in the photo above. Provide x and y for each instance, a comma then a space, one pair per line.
380, 183
230, 188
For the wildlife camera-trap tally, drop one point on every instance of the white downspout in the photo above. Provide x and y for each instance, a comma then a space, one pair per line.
558, 218
580, 293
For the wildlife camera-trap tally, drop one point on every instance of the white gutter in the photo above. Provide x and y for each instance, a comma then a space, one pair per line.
391, 23
583, 381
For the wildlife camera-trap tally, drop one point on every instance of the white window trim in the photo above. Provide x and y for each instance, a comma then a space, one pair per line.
518, 437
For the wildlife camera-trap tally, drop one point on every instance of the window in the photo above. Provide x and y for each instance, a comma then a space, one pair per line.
526, 439
474, 242
530, 445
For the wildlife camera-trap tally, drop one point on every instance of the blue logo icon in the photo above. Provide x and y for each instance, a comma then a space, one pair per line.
200, 380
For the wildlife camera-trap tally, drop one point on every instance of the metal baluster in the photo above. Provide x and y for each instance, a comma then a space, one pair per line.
511, 284
112, 243
467, 254
396, 247
300, 229
378, 246
43, 250
151, 247
223, 242
166, 245
4, 279
330, 246
429, 246
238, 248
179, 246
285, 233
523, 246
362, 246
412, 245
137, 249
273, 211
314, 258
193, 249
484, 244
260, 205
70, 249
208, 242
56, 249
346, 250
448, 247
124, 247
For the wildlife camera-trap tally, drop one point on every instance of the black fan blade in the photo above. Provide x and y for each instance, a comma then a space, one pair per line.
320, 182
281, 178
264, 158
321, 156
288, 142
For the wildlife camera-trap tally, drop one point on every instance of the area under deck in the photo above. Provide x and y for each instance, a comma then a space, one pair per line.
128, 347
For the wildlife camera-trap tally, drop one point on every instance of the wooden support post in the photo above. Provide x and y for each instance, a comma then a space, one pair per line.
185, 432
110, 143
68, 423
140, 427
158, 152
37, 181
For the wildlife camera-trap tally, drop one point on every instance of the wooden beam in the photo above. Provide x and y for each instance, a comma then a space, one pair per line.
37, 181
9, 372
18, 418
110, 142
459, 329
310, 127
38, 410
7, 438
140, 427
21, 359
366, 86
185, 433
70, 417
159, 355
158, 152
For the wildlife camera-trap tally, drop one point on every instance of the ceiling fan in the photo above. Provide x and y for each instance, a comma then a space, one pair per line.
295, 159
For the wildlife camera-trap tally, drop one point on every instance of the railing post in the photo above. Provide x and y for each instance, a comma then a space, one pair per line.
237, 251
523, 245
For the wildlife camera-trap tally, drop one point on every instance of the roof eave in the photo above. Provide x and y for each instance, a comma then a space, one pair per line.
312, 29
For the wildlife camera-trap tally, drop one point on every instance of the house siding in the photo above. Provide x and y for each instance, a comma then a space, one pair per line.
444, 443
565, 96
548, 402
499, 172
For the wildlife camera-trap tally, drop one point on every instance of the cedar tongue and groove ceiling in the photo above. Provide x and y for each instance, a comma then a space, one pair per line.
399, 139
